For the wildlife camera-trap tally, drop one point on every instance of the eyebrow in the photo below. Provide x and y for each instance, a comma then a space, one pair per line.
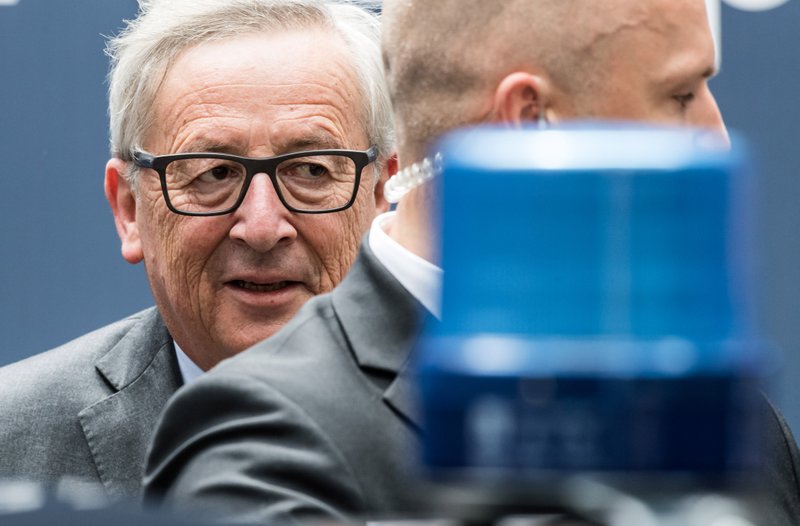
209, 146
320, 141
677, 78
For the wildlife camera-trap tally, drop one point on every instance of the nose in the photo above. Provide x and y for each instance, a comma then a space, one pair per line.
261, 221
710, 117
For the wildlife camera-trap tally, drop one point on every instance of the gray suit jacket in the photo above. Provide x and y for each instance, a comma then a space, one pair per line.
263, 436
319, 420
83, 413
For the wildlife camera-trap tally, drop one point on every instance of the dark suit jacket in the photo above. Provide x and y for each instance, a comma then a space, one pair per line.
320, 421
782, 470
82, 413
315, 421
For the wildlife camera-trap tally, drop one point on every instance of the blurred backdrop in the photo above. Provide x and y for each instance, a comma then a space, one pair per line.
61, 273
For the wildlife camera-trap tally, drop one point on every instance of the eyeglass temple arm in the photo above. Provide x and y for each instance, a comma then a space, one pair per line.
372, 153
145, 160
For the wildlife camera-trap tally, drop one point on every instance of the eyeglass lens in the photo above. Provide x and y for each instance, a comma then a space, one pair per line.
314, 182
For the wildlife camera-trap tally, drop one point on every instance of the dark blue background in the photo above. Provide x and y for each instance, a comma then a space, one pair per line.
61, 273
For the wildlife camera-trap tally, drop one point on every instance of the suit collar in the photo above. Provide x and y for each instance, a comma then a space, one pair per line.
134, 352
382, 326
142, 370
381, 321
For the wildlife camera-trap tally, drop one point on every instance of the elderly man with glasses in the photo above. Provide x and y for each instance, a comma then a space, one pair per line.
248, 141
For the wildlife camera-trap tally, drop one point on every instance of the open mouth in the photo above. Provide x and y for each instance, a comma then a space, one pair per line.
260, 287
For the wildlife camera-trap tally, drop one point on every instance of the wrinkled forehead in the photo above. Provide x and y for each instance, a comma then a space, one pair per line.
226, 88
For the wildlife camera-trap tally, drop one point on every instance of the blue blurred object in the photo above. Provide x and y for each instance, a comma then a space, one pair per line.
596, 308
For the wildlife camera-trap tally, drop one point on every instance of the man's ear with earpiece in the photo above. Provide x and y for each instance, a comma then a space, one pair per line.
520, 98
389, 169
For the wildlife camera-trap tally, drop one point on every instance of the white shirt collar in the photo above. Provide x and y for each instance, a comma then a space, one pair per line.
419, 277
189, 370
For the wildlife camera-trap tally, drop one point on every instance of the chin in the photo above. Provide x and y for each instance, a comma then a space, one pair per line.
254, 338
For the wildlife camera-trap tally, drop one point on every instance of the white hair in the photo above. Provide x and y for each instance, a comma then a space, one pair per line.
145, 49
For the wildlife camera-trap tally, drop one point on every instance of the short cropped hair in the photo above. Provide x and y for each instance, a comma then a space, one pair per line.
142, 53
444, 58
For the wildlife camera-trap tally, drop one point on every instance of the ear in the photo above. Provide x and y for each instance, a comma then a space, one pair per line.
123, 205
519, 98
390, 168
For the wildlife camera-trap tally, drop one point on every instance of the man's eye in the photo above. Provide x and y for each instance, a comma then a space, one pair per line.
315, 170
684, 99
306, 170
217, 173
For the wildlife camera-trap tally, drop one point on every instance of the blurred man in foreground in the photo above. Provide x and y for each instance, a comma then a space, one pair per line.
278, 440
248, 138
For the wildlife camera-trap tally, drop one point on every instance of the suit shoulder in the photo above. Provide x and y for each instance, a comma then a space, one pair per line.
308, 364
306, 339
65, 369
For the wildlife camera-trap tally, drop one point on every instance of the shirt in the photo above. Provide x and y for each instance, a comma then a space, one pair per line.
189, 370
421, 278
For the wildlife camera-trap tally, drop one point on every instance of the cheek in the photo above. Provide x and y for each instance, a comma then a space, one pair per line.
336, 243
177, 250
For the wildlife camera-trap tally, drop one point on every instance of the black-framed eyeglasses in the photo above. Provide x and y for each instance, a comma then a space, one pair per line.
210, 184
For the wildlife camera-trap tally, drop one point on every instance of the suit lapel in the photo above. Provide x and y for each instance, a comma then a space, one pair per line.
381, 328
402, 397
142, 372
